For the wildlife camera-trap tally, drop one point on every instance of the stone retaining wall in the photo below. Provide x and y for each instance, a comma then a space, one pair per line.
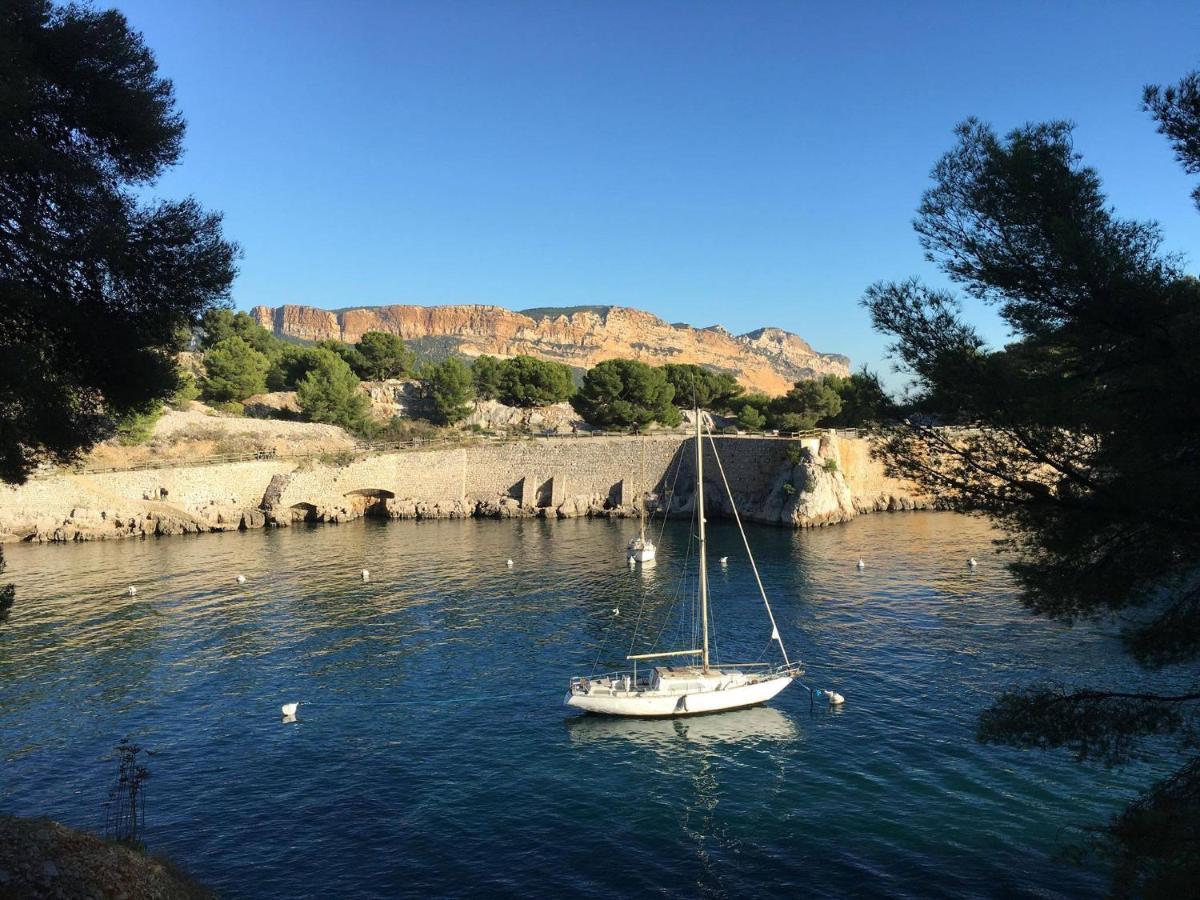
546, 476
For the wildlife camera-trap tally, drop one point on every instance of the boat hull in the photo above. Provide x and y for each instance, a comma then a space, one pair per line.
643, 554
654, 704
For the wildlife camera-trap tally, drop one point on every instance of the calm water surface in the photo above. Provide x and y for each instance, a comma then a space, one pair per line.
433, 756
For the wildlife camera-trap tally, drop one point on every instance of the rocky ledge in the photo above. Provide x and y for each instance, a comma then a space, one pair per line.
41, 858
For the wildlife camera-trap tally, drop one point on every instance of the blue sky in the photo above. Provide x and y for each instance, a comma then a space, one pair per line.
746, 164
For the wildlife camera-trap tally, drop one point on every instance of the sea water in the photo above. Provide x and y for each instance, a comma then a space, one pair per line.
433, 756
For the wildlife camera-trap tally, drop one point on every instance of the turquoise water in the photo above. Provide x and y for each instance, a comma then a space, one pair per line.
433, 756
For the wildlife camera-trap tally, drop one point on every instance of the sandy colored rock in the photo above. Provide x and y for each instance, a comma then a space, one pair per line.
768, 359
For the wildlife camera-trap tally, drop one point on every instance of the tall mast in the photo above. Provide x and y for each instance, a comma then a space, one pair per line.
642, 488
703, 561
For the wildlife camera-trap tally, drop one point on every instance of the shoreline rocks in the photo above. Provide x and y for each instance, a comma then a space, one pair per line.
797, 484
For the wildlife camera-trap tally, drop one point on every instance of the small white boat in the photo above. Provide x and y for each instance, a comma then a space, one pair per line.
642, 548
697, 686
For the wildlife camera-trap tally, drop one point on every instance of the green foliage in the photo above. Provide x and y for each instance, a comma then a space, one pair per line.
448, 387
137, 427
806, 404
383, 356
695, 385
830, 466
527, 381
863, 400
348, 353
186, 391
485, 372
99, 285
1176, 109
218, 324
289, 367
751, 418
400, 429
797, 453
625, 393
8, 593
233, 370
329, 393
1084, 445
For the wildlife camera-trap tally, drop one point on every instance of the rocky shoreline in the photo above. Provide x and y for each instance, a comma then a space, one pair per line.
829, 481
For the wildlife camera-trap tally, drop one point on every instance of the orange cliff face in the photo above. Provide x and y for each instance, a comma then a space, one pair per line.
767, 360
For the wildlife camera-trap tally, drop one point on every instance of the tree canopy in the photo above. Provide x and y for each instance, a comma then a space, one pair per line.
448, 388
329, 393
695, 385
383, 356
863, 400
1085, 445
625, 393
233, 370
98, 287
528, 381
806, 404
485, 373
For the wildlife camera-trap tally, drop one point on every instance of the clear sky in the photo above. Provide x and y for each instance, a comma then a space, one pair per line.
749, 164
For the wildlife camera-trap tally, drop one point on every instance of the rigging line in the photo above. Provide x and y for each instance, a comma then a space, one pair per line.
746, 542
670, 496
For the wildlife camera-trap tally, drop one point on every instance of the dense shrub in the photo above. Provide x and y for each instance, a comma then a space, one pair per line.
527, 381
485, 373
448, 387
329, 393
625, 393
233, 370
695, 385
383, 356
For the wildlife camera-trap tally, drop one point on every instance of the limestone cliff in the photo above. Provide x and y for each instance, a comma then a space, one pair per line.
768, 359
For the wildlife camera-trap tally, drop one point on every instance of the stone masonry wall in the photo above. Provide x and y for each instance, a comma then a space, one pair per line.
545, 476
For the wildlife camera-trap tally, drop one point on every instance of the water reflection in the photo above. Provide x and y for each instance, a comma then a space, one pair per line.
743, 726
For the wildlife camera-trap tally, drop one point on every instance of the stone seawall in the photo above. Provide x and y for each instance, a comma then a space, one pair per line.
813, 481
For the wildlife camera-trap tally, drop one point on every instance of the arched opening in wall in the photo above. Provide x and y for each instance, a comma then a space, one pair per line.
304, 512
371, 502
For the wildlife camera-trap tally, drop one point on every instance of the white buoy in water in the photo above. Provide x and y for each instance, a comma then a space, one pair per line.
971, 562
366, 574
724, 561
508, 562
616, 611
132, 592
861, 565
835, 699
241, 579
289, 711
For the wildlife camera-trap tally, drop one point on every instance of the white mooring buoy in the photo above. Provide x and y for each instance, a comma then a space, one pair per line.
508, 563
861, 565
724, 561
616, 611
835, 699
241, 579
132, 592
971, 562
366, 574
288, 710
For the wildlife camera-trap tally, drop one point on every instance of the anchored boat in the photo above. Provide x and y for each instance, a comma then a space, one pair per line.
641, 548
689, 684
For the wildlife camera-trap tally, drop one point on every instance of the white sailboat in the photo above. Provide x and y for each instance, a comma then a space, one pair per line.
641, 548
696, 686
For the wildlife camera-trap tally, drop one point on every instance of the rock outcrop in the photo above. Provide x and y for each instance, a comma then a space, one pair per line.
768, 359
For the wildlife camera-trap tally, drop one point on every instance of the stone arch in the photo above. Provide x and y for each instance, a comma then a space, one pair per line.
304, 512
369, 501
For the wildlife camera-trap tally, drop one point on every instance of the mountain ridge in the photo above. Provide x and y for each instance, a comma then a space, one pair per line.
767, 359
